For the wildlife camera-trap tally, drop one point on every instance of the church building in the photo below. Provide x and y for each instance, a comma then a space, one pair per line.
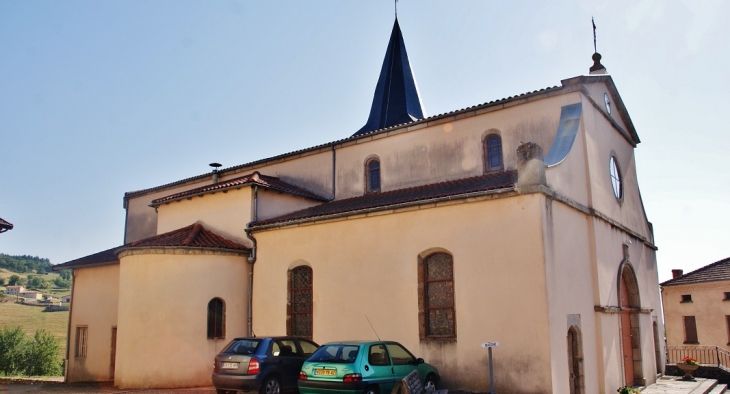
518, 221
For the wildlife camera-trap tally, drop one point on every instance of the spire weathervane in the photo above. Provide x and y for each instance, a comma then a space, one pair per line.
594, 34
396, 8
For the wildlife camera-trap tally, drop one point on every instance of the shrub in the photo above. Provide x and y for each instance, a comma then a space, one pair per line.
12, 342
37, 356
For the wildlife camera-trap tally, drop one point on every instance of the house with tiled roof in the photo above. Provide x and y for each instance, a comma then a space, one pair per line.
697, 313
518, 220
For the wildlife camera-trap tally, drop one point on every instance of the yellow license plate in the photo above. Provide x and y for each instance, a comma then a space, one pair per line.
325, 372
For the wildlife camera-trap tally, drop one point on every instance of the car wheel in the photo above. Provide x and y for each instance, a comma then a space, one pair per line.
221, 391
271, 386
430, 385
371, 390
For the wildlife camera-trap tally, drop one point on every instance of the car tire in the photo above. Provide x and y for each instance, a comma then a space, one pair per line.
271, 385
371, 390
221, 391
429, 385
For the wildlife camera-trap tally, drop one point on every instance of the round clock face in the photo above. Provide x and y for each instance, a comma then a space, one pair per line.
608, 103
615, 178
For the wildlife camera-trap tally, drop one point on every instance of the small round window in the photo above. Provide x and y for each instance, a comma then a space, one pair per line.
618, 190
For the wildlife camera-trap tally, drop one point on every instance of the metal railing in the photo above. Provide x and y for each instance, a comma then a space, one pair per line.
705, 355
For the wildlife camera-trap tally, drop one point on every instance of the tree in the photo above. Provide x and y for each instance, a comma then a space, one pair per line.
65, 274
41, 355
62, 284
2, 281
12, 341
13, 280
36, 282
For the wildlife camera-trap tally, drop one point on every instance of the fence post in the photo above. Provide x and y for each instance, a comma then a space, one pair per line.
717, 354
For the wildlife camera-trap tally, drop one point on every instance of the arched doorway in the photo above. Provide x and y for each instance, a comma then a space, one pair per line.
630, 334
575, 361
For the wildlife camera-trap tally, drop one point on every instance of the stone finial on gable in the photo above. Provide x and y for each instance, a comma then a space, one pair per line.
530, 165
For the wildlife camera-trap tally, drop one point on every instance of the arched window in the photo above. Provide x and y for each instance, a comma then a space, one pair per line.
575, 361
616, 183
372, 176
493, 153
300, 308
437, 299
216, 319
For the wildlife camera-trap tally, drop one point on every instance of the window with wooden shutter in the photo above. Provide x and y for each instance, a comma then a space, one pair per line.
690, 330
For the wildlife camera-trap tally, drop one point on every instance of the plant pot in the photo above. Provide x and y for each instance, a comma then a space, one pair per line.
687, 369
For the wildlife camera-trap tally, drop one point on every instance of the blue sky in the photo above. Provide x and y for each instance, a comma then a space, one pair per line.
100, 98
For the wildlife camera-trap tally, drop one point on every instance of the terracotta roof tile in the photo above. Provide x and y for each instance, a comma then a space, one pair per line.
456, 187
717, 271
102, 258
193, 236
254, 178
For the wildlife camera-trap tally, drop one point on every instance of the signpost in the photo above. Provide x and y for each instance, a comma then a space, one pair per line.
490, 345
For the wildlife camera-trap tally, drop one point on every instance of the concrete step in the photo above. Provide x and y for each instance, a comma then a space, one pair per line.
719, 389
704, 387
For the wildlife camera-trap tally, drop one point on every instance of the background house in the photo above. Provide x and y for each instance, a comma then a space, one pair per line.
14, 290
697, 314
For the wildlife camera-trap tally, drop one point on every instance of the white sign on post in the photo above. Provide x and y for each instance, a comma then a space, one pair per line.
490, 344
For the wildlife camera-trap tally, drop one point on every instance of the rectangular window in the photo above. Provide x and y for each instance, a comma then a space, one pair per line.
82, 339
727, 296
686, 298
690, 330
727, 320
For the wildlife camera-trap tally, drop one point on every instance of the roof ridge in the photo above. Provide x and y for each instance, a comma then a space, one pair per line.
193, 234
695, 272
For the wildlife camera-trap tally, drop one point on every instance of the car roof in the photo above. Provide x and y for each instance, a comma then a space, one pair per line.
272, 338
357, 342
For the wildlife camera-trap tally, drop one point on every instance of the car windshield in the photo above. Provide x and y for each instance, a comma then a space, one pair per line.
243, 346
336, 354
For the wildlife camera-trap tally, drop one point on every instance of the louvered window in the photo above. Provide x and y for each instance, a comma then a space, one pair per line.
372, 170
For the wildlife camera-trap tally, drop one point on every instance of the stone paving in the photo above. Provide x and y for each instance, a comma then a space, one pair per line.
675, 385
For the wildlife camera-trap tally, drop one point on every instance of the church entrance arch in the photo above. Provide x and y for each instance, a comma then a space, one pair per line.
630, 330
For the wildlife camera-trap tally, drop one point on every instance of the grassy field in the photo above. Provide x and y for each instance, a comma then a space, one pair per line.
31, 318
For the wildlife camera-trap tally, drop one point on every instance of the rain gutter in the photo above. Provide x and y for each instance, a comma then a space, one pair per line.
252, 259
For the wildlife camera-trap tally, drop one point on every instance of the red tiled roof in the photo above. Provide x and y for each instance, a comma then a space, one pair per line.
717, 271
456, 187
254, 178
108, 256
193, 236
5, 225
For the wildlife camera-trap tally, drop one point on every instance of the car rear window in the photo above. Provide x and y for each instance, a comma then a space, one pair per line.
336, 354
243, 346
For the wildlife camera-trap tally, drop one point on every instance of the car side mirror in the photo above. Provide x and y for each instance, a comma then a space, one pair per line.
420, 361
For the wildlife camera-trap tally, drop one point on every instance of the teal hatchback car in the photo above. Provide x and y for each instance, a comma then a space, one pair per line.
359, 367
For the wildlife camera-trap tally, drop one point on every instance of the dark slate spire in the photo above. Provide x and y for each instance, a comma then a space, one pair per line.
396, 97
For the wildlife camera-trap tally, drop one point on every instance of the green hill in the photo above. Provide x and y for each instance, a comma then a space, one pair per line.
25, 263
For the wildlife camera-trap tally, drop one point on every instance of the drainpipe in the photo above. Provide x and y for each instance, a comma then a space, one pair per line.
68, 328
252, 259
334, 163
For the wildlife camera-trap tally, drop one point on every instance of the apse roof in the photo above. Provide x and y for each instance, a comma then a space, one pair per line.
396, 99
265, 181
192, 236
717, 271
491, 181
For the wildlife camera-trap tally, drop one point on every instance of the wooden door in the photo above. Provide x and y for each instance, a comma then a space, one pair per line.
113, 353
627, 348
